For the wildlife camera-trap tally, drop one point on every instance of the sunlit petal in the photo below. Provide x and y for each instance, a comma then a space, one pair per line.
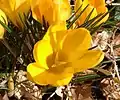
42, 8
33, 70
59, 75
42, 50
75, 40
89, 60
56, 10
62, 82
103, 10
55, 34
98, 3
14, 9
62, 10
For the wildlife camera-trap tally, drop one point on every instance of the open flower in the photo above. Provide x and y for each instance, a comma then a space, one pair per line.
3, 18
98, 6
15, 10
50, 10
60, 54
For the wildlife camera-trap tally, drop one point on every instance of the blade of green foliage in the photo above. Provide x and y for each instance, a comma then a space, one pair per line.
6, 27
99, 19
23, 22
74, 14
75, 19
89, 77
92, 31
88, 17
88, 23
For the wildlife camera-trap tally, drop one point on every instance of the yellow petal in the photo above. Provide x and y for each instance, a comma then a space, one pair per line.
14, 8
58, 76
103, 10
55, 34
97, 4
61, 9
33, 70
22, 5
62, 82
54, 28
56, 10
76, 40
7, 5
3, 18
89, 60
43, 50
78, 3
42, 8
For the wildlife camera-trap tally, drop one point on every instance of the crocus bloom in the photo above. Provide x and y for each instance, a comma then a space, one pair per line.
60, 54
3, 18
15, 9
98, 6
51, 10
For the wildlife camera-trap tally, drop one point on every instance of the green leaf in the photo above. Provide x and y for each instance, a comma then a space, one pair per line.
89, 77
6, 27
74, 14
75, 19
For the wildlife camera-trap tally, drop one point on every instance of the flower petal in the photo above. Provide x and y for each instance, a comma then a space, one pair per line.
62, 82
20, 5
56, 10
62, 10
88, 60
54, 28
103, 10
42, 50
14, 8
33, 70
39, 10
76, 40
55, 34
98, 3
7, 5
59, 75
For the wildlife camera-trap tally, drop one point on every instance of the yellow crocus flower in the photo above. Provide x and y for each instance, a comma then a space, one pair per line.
98, 6
14, 9
50, 10
3, 18
60, 54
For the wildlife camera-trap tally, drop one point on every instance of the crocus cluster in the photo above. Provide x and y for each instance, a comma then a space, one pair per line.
62, 52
